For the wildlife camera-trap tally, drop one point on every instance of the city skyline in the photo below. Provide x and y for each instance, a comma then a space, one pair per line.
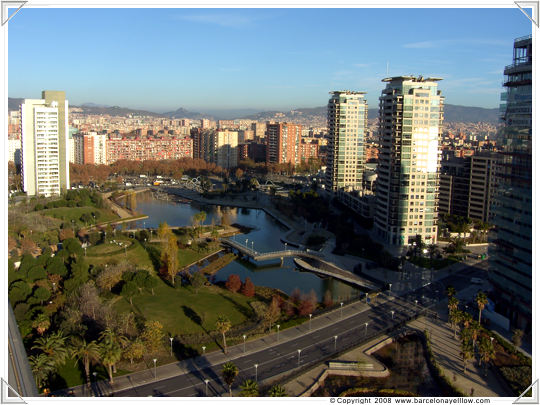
261, 59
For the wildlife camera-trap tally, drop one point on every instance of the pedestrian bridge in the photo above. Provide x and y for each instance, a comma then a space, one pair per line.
314, 262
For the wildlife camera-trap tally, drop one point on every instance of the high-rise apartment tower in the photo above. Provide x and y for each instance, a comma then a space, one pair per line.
45, 145
410, 125
347, 128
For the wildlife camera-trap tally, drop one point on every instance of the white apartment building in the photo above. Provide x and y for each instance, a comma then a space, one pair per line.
407, 187
226, 149
45, 146
347, 128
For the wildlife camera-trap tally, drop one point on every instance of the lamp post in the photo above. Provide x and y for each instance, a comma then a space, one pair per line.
171, 339
252, 246
392, 312
390, 287
155, 369
335, 342
54, 287
367, 323
341, 310
95, 382
299, 350
416, 304
203, 350
310, 315
256, 365
278, 332
246, 243
206, 389
244, 336
285, 245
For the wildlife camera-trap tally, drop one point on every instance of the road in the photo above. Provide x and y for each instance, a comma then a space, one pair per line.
314, 346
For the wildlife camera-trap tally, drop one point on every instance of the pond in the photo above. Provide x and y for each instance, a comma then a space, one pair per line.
264, 237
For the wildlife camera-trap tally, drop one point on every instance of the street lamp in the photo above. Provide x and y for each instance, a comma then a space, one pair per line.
171, 339
256, 365
203, 350
155, 369
251, 245
335, 342
310, 315
54, 287
278, 332
416, 303
299, 350
390, 287
392, 312
244, 336
367, 323
85, 251
285, 245
206, 390
341, 310
246, 243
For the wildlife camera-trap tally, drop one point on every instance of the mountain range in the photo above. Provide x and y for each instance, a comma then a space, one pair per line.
452, 113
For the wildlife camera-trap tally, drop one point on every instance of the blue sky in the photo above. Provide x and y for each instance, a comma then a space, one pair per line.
163, 59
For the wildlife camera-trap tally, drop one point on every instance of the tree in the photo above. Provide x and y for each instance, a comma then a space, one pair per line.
85, 352
41, 366
248, 288
41, 294
229, 371
153, 335
327, 300
277, 391
481, 301
223, 324
233, 283
134, 350
170, 257
110, 354
467, 351
150, 283
273, 313
517, 336
197, 281
41, 323
249, 388
54, 347
486, 352
455, 317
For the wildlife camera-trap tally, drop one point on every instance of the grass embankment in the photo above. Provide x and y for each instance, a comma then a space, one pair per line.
106, 253
74, 214
184, 311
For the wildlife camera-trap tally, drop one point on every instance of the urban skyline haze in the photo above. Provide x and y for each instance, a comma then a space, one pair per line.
261, 59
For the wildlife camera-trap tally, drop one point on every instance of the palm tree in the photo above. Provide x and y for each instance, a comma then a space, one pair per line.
466, 319
54, 347
433, 250
110, 355
42, 365
41, 323
450, 291
481, 301
467, 350
86, 352
277, 391
223, 325
455, 318
453, 304
110, 337
229, 371
486, 352
249, 389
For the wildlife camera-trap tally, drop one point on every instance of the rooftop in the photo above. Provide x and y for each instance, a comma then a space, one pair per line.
413, 78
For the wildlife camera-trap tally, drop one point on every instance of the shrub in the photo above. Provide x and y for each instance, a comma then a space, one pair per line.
248, 288
233, 283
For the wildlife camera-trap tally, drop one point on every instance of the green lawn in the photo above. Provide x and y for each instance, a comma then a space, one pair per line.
107, 252
74, 213
181, 311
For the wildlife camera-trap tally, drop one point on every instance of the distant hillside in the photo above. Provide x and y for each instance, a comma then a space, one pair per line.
307, 116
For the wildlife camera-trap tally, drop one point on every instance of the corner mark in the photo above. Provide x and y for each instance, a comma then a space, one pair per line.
5, 388
533, 399
534, 12
5, 9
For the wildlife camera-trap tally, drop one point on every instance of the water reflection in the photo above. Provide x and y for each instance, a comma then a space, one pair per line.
264, 237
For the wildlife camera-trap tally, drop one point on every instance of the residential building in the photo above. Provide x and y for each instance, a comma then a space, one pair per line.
410, 127
510, 250
283, 143
347, 126
14, 150
226, 149
95, 148
45, 146
482, 185
148, 148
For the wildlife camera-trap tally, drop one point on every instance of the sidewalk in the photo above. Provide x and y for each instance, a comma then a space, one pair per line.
217, 357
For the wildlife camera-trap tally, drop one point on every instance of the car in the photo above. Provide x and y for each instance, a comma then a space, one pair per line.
476, 280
